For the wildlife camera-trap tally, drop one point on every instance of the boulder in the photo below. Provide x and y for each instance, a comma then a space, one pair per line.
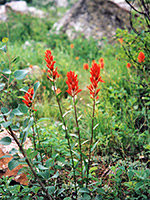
61, 3
96, 18
17, 7
20, 7
3, 15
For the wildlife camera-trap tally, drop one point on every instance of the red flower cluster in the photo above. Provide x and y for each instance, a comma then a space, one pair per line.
141, 57
101, 63
53, 74
86, 66
95, 79
29, 98
72, 82
128, 65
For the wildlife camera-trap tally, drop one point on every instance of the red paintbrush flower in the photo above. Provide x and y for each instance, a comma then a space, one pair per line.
52, 72
72, 82
86, 66
128, 65
29, 98
141, 57
95, 79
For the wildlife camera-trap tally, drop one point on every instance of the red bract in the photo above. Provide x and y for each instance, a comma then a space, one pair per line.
53, 74
29, 98
95, 79
141, 57
72, 82
128, 65
86, 66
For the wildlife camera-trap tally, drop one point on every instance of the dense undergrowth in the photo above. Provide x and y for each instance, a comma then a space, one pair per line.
120, 163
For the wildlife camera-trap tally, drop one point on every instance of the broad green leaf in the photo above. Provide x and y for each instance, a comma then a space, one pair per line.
17, 112
32, 154
5, 140
24, 89
45, 174
6, 124
20, 74
6, 71
4, 110
22, 108
12, 164
36, 85
14, 128
51, 189
35, 189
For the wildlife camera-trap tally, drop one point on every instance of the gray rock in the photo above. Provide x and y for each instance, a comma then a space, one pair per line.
36, 12
96, 18
3, 15
17, 6
61, 3
20, 7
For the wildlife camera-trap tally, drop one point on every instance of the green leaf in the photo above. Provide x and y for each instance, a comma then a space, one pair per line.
36, 85
24, 89
2, 85
30, 123
94, 146
14, 128
60, 191
51, 189
22, 108
20, 74
6, 124
41, 167
12, 164
4, 110
6, 71
98, 197
5, 141
32, 154
17, 112
55, 175
84, 190
15, 60
5, 156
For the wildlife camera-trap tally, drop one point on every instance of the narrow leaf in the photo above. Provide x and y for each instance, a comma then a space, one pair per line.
36, 85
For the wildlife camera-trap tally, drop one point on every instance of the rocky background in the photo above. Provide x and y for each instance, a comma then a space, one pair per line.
96, 18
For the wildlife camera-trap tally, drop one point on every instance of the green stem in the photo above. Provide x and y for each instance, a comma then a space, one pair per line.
91, 142
67, 136
78, 131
